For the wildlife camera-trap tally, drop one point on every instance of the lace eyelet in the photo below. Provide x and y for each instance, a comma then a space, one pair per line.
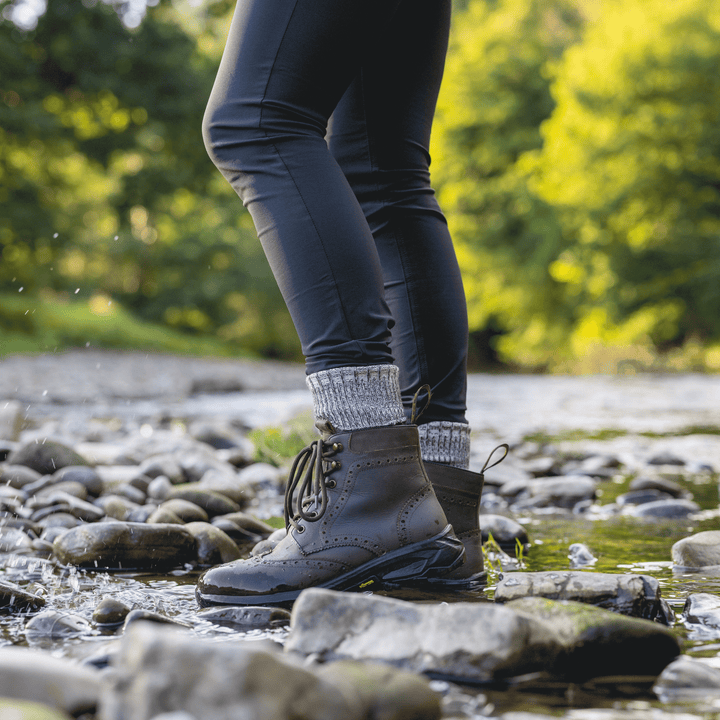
300, 529
337, 447
330, 484
335, 465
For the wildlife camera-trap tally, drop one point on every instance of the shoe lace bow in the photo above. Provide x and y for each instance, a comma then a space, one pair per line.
306, 496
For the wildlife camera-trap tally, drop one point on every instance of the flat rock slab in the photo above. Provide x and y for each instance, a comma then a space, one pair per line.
480, 642
126, 545
39, 677
701, 550
15, 599
635, 595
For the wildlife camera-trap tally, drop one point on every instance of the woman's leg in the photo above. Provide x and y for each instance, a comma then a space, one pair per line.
380, 134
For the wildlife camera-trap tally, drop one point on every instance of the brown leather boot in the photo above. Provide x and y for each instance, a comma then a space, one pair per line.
359, 511
459, 492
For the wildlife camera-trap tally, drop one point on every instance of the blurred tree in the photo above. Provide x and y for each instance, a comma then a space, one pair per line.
106, 187
495, 96
631, 162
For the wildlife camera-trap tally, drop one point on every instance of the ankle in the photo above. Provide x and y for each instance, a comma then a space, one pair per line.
445, 442
357, 397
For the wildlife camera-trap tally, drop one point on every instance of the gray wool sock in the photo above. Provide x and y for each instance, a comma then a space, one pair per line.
445, 442
353, 398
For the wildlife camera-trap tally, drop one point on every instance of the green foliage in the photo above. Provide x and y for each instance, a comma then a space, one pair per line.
280, 445
105, 182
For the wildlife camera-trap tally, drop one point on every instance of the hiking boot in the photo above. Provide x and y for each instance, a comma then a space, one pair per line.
359, 512
459, 492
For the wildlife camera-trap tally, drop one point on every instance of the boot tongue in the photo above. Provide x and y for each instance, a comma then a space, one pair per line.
325, 429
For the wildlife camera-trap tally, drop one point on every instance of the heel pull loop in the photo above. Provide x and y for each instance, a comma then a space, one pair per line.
497, 462
414, 415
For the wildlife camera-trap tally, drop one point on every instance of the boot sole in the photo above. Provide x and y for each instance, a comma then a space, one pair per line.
420, 562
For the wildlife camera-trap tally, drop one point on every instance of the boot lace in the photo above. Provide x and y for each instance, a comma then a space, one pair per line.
306, 496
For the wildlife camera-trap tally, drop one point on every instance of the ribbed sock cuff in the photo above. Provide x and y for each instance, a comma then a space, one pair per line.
445, 442
352, 398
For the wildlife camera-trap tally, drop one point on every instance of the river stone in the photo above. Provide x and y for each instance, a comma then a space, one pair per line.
13, 540
636, 595
641, 497
116, 506
160, 669
18, 476
213, 545
185, 510
701, 550
657, 483
267, 545
249, 523
686, 679
505, 531
211, 501
261, 476
159, 488
11, 420
84, 475
140, 615
580, 555
470, 642
702, 609
76, 506
383, 692
25, 710
246, 617
163, 515
125, 545
599, 642
69, 487
110, 612
51, 626
672, 509
227, 485
58, 518
142, 514
31, 675
130, 492
665, 458
46, 457
165, 465
14, 599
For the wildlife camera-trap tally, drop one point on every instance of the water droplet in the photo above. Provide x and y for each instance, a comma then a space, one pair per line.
117, 237
44, 393
56, 235
21, 289
87, 344
77, 291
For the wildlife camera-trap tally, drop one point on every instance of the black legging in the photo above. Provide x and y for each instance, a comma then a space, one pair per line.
320, 119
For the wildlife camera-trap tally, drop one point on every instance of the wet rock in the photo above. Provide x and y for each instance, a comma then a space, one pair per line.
11, 420
248, 523
636, 595
384, 692
665, 458
246, 617
672, 509
55, 518
49, 534
139, 615
164, 515
703, 610
15, 599
474, 642
564, 492
186, 511
215, 681
234, 532
541, 467
46, 457
222, 437
75, 506
69, 487
261, 476
216, 385
29, 675
159, 488
125, 545
13, 540
142, 514
701, 550
18, 476
641, 497
130, 492
580, 555
165, 465
213, 545
25, 710
687, 679
266, 546
84, 475
212, 502
116, 506
505, 531
599, 643
141, 482
52, 626
227, 485
657, 483
110, 613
